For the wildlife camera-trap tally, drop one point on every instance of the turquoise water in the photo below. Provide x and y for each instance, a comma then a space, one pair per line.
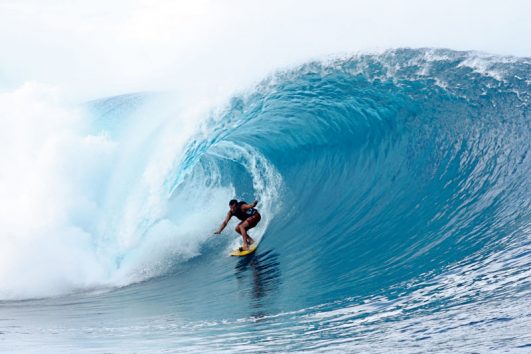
395, 194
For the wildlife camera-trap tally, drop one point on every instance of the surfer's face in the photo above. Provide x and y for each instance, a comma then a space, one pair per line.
233, 208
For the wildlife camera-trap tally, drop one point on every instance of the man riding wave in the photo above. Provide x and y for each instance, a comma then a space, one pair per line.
249, 217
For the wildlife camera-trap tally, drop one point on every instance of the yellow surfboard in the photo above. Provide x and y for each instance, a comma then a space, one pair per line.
236, 252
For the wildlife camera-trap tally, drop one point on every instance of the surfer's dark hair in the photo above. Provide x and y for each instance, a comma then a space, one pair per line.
233, 202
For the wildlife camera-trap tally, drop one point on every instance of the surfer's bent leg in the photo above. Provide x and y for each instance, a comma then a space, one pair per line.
243, 231
250, 223
238, 230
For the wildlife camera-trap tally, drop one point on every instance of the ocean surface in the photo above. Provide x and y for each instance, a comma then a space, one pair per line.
395, 196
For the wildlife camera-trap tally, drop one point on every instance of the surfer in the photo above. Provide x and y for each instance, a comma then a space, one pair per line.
249, 217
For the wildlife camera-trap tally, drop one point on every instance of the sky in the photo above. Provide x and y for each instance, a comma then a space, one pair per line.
91, 49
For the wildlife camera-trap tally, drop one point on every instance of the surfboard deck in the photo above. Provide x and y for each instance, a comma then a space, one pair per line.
237, 253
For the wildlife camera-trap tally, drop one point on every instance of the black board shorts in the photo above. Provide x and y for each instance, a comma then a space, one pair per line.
252, 220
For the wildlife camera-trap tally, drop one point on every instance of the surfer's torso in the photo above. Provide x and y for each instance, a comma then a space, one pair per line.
244, 215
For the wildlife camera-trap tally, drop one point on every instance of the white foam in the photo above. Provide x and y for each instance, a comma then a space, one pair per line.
49, 169
83, 210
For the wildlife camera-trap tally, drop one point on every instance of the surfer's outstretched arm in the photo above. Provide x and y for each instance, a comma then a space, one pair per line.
227, 218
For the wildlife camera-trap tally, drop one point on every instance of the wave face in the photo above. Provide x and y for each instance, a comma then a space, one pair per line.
395, 195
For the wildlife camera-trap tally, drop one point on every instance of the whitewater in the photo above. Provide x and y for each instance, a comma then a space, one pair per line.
394, 190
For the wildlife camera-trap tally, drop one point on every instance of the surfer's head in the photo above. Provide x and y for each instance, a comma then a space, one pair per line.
233, 204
